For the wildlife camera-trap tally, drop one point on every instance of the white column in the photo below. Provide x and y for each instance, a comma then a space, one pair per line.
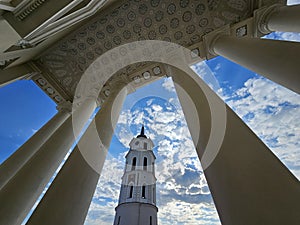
8, 36
248, 183
68, 198
279, 18
21, 192
11, 166
275, 60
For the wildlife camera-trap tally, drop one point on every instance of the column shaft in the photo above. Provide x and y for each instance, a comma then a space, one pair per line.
12, 74
11, 166
21, 192
8, 36
285, 18
68, 198
248, 183
276, 60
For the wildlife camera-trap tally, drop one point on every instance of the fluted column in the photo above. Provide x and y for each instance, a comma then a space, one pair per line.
248, 183
11, 166
21, 192
68, 198
279, 18
275, 60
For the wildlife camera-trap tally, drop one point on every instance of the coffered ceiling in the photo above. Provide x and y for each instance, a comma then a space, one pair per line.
184, 22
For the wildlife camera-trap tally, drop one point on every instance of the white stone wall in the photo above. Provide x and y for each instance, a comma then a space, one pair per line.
136, 214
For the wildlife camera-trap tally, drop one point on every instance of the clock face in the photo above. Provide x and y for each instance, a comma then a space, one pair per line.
137, 143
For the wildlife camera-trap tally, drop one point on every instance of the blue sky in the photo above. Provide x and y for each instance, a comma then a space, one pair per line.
24, 109
271, 111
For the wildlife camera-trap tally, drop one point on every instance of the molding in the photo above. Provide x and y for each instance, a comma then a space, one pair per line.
46, 82
6, 6
6, 62
137, 203
261, 18
60, 21
64, 106
243, 28
197, 53
210, 39
27, 7
49, 90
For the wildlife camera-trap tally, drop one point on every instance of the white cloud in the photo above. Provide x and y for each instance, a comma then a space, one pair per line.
289, 36
273, 113
186, 213
218, 66
157, 108
168, 85
286, 36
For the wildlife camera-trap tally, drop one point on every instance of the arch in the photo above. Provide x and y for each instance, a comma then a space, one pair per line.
130, 191
133, 163
92, 82
145, 163
226, 147
153, 195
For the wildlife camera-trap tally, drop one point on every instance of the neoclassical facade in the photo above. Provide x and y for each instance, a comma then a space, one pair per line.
91, 53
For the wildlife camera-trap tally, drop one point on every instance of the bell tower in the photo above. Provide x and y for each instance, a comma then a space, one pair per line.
137, 201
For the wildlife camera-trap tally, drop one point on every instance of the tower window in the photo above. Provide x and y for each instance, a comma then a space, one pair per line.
133, 163
145, 146
119, 219
150, 220
145, 163
153, 195
144, 191
131, 192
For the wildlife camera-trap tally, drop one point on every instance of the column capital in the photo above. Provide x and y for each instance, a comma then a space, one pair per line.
65, 106
210, 39
88, 92
261, 18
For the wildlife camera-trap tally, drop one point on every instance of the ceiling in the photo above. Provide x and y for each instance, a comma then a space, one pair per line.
184, 22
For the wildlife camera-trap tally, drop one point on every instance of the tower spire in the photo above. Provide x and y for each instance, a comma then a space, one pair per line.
142, 134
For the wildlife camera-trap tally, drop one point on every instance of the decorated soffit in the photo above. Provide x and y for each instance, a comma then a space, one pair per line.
184, 22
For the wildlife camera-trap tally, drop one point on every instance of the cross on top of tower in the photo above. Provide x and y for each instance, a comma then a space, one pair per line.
142, 134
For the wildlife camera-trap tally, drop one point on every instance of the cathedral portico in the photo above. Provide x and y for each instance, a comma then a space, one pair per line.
243, 175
